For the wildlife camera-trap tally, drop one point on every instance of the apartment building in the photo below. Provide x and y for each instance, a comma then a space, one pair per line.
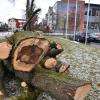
57, 16
15, 24
94, 17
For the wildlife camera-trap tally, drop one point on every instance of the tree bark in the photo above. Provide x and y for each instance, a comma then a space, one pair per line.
62, 67
55, 49
60, 86
2, 90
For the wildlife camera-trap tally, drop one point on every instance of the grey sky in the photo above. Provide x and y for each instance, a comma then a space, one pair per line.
8, 10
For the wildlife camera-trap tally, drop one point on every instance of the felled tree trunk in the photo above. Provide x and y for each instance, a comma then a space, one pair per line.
28, 50
60, 86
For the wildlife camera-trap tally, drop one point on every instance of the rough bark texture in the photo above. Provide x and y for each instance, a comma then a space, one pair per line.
55, 49
61, 86
1, 75
2, 90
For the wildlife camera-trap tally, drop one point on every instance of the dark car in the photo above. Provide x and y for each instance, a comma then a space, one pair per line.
96, 36
80, 37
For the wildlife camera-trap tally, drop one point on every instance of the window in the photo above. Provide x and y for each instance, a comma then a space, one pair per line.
97, 13
85, 12
89, 13
94, 12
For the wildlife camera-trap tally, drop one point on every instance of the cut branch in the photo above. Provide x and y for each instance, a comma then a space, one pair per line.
48, 62
62, 67
5, 49
55, 49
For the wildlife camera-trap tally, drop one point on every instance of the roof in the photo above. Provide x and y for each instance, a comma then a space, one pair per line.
94, 5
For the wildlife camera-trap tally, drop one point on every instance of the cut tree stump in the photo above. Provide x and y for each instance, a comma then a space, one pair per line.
28, 50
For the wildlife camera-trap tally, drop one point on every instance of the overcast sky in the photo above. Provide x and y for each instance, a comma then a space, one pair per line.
9, 10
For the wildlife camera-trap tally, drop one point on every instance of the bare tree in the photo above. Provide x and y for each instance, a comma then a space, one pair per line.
31, 13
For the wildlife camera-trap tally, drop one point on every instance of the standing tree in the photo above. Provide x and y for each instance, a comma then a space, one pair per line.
31, 14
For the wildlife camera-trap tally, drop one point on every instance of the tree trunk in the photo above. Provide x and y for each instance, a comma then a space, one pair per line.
28, 51
2, 90
60, 86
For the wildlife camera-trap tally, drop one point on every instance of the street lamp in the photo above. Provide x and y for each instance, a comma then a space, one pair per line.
75, 19
67, 17
64, 30
87, 22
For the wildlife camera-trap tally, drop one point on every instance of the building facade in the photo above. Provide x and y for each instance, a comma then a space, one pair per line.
94, 17
57, 16
15, 24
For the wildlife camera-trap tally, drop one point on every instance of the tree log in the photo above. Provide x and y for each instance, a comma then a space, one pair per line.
28, 50
62, 67
48, 62
5, 49
55, 49
2, 90
60, 86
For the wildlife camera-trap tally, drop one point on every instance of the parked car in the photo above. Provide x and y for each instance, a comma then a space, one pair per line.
80, 37
95, 36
